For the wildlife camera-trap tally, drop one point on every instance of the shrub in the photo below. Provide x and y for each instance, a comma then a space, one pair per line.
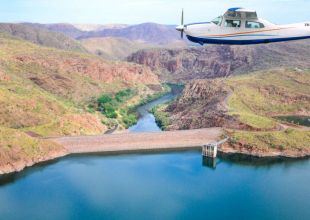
129, 120
104, 99
109, 111
121, 95
111, 114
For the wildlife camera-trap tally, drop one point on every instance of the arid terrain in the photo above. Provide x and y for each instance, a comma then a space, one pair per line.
71, 80
48, 91
213, 61
246, 106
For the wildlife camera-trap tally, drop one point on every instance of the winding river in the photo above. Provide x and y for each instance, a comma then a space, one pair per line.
167, 185
146, 122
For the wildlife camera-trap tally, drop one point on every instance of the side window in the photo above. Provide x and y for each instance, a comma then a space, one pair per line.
232, 23
254, 24
218, 20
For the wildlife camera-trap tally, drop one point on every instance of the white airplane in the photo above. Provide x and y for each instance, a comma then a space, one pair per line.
240, 26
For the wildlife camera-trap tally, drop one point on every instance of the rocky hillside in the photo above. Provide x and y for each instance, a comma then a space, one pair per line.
46, 91
213, 61
75, 76
201, 105
64, 28
116, 48
242, 102
41, 36
249, 104
115, 41
150, 33
147, 32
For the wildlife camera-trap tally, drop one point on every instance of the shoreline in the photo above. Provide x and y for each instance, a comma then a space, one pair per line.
224, 151
20, 165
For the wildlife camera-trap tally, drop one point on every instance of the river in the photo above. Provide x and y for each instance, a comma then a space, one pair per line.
146, 122
167, 185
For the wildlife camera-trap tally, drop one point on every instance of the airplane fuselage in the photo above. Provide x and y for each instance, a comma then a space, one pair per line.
242, 30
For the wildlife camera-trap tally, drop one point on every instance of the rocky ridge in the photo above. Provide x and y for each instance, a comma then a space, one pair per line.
212, 61
245, 107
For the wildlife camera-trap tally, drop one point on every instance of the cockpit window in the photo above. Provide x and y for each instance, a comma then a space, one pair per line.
251, 15
218, 20
254, 24
234, 14
232, 23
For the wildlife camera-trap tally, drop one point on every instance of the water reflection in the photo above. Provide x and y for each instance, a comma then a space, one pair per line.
14, 177
254, 161
209, 162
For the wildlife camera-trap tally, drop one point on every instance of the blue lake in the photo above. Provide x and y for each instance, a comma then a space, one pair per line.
175, 185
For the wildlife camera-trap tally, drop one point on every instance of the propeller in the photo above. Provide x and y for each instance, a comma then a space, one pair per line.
181, 27
182, 23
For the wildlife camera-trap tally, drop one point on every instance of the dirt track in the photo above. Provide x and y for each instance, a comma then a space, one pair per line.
139, 141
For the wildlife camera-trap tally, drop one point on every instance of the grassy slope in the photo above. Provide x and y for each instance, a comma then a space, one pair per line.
257, 97
44, 92
27, 105
254, 100
18, 150
41, 93
74, 86
282, 140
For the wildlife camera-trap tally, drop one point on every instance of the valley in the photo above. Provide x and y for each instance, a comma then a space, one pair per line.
136, 109
47, 92
70, 80
214, 61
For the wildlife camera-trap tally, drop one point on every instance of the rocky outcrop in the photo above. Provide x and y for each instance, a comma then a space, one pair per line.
245, 149
95, 68
179, 65
193, 63
201, 105
81, 77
